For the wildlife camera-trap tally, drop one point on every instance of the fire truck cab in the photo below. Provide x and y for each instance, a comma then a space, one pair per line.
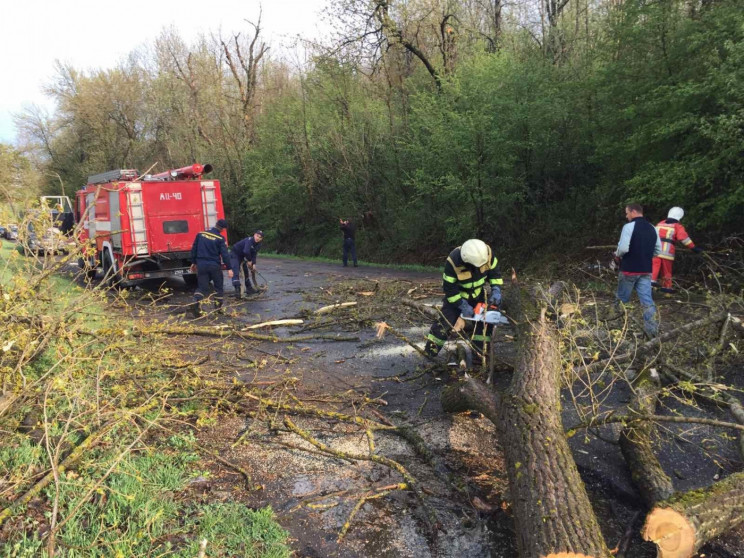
142, 227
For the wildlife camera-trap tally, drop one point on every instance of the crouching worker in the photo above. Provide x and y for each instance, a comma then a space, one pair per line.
243, 256
466, 272
208, 253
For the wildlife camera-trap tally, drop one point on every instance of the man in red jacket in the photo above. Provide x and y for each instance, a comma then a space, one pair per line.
670, 231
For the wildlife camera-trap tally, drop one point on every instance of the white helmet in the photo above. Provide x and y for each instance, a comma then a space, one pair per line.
475, 252
676, 213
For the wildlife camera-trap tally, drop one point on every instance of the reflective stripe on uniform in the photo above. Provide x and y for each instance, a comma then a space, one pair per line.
498, 281
474, 284
449, 279
472, 294
454, 298
210, 235
494, 263
436, 340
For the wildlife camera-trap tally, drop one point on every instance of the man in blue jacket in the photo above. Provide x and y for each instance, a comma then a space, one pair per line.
208, 254
639, 243
243, 256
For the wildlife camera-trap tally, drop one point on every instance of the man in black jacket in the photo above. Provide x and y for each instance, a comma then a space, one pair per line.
639, 243
348, 228
208, 254
243, 256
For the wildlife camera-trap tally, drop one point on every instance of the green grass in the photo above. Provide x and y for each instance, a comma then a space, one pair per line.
113, 502
140, 511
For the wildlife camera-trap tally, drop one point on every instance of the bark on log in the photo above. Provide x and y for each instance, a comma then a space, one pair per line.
682, 524
550, 503
472, 395
551, 508
636, 445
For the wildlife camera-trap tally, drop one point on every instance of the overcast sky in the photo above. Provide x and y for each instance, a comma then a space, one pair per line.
90, 35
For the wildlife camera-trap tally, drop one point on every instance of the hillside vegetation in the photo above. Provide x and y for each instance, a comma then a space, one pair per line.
528, 124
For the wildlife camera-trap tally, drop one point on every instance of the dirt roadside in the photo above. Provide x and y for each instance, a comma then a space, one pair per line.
465, 485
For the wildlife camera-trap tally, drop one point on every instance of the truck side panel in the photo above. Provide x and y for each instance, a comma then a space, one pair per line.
176, 211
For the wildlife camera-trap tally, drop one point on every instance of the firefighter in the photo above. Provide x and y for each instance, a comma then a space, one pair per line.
243, 256
639, 244
208, 253
670, 230
467, 271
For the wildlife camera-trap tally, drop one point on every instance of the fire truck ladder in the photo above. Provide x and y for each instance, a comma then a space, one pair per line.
137, 223
209, 205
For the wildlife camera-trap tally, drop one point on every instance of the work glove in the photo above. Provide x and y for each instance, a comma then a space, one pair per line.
698, 250
466, 311
495, 298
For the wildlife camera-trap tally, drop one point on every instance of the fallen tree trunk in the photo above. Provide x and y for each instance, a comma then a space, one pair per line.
680, 525
636, 445
552, 511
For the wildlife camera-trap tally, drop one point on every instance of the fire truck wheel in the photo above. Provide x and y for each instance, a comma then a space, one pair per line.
109, 273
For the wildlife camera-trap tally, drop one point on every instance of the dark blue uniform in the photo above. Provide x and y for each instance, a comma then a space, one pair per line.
349, 230
243, 251
462, 281
209, 252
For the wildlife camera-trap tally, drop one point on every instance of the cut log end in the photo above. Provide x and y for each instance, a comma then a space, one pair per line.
672, 533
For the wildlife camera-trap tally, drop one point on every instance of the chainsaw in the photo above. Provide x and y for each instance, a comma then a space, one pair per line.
487, 314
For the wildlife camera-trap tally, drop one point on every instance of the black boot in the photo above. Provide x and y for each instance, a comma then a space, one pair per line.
195, 309
431, 349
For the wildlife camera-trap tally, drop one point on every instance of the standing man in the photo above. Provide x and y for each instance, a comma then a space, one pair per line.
639, 243
349, 230
243, 256
208, 253
466, 271
670, 230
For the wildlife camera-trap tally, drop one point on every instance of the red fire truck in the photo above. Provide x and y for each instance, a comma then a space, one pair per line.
142, 227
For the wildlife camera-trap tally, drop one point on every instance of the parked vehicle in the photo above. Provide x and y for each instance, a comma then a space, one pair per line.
138, 228
2, 231
50, 243
11, 232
